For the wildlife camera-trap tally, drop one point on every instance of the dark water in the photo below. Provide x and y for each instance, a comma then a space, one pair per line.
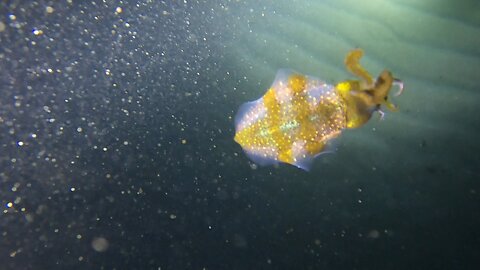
117, 153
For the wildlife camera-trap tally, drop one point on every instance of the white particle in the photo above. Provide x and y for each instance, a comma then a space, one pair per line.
15, 187
20, 143
37, 32
79, 129
100, 244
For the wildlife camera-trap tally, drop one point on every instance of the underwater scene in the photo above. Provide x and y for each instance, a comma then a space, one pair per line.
239, 134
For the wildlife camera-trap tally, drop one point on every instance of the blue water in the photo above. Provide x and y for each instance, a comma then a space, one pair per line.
117, 151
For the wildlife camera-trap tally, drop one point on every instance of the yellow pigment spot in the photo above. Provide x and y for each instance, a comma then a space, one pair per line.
297, 83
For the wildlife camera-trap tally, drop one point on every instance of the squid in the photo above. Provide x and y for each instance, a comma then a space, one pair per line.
297, 117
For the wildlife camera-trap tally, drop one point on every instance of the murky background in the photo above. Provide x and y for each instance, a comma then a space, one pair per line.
116, 127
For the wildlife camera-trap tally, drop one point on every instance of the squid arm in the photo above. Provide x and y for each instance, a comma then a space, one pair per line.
363, 97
